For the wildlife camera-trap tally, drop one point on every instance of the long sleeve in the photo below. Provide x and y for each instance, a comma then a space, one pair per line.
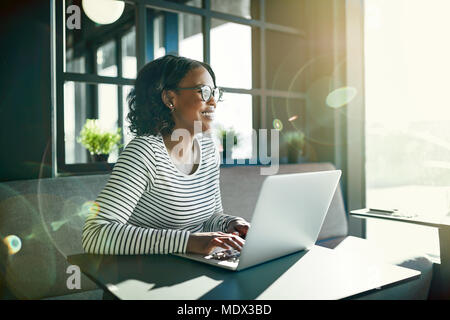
107, 231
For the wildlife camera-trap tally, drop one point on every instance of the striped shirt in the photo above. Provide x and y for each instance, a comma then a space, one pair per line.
148, 206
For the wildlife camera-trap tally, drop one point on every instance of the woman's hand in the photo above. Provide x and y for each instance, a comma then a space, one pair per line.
205, 242
240, 226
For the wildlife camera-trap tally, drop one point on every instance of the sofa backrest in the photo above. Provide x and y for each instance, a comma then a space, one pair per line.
47, 215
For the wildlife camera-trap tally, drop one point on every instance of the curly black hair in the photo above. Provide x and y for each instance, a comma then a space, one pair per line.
148, 114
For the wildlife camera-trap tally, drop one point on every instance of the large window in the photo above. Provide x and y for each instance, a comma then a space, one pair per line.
96, 66
407, 117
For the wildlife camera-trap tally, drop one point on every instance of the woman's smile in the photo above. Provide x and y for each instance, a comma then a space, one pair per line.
209, 114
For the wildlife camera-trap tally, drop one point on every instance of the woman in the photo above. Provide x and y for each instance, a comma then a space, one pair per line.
163, 195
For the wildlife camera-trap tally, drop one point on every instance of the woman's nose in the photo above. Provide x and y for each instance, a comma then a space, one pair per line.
212, 102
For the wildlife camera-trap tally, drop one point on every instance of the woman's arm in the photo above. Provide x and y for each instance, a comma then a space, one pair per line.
107, 231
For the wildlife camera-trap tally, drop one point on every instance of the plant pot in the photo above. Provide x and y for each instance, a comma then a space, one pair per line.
226, 156
293, 155
99, 157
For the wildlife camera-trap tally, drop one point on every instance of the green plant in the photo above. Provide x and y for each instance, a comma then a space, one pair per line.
295, 140
222, 134
96, 140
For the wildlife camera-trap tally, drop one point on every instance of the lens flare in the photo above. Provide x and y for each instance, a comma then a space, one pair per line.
57, 224
89, 208
30, 236
277, 124
13, 243
293, 118
341, 96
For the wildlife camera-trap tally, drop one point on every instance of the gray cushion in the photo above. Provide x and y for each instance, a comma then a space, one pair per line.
46, 215
85, 295
240, 187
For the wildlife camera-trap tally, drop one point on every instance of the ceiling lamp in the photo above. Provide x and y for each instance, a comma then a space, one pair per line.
103, 11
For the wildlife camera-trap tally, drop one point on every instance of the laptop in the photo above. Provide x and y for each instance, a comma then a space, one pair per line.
288, 217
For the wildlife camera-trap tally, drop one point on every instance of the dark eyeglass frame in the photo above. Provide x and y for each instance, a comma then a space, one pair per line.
212, 92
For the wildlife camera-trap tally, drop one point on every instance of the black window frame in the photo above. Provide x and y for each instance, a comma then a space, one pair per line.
144, 54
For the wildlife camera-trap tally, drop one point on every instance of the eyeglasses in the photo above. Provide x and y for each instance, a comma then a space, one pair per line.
207, 92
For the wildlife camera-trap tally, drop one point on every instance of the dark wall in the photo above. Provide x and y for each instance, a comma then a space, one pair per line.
25, 104
326, 51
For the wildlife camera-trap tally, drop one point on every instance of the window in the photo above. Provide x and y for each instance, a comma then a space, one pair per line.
242, 8
96, 66
231, 50
290, 116
99, 61
74, 116
407, 117
177, 33
236, 112
106, 59
129, 62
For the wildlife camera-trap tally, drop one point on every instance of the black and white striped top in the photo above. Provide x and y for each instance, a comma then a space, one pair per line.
149, 206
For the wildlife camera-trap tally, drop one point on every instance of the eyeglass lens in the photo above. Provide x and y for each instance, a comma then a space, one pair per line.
207, 93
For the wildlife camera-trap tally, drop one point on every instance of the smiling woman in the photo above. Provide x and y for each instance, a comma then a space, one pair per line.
158, 200
158, 86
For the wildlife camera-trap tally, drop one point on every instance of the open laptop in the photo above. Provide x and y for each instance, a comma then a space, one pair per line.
287, 218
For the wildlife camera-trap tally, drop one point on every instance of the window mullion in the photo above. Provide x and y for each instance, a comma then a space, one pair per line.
59, 88
206, 19
141, 34
262, 48
119, 88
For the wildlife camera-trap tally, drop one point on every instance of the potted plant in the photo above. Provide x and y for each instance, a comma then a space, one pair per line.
295, 142
222, 134
100, 143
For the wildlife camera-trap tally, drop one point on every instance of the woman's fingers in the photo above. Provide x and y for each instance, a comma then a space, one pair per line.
233, 241
239, 239
216, 242
234, 235
228, 241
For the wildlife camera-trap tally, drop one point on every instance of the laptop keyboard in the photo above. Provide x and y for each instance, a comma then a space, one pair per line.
231, 255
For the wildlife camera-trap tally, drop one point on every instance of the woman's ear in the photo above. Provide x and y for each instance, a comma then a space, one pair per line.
167, 98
